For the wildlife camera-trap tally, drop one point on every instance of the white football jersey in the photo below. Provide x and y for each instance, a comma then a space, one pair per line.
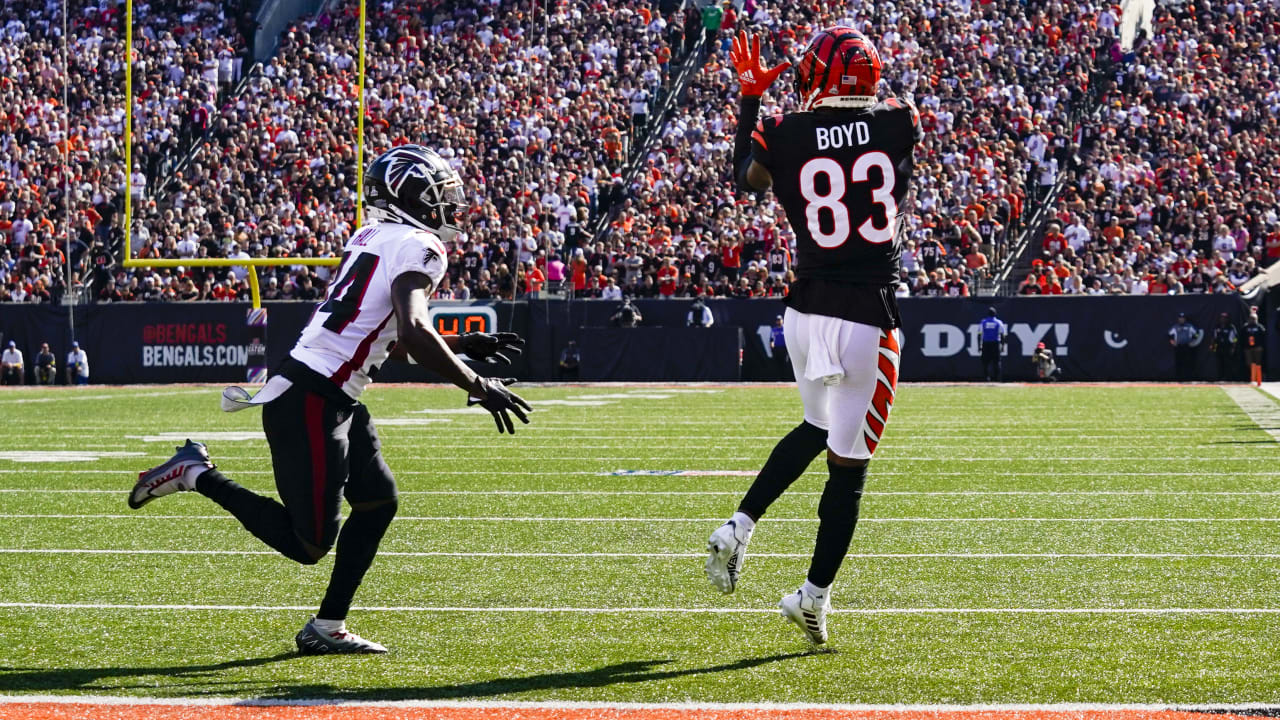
351, 332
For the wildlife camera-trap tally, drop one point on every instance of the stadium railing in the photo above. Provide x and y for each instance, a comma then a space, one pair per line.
690, 64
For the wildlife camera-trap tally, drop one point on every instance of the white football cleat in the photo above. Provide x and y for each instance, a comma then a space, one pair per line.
311, 640
809, 613
726, 552
177, 474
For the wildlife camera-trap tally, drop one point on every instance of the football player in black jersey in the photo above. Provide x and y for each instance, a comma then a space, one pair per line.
840, 167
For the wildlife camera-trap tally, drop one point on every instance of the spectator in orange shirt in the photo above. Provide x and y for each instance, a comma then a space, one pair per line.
731, 254
668, 278
975, 261
1055, 242
1113, 233
579, 271
533, 278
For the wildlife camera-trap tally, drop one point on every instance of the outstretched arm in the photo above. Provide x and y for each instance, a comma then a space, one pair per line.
409, 293
753, 80
417, 338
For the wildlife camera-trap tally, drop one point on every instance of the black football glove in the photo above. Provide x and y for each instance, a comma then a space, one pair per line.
491, 348
492, 395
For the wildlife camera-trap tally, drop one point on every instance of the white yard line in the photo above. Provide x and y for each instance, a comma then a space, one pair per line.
543, 518
735, 493
676, 555
517, 454
658, 610
1260, 408
634, 475
769, 707
74, 395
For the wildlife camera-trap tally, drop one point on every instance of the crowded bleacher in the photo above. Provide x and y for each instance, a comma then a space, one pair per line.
1153, 163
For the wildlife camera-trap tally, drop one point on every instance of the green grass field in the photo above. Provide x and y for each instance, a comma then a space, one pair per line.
1018, 544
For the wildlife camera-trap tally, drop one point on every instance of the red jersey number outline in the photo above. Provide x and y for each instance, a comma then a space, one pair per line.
833, 200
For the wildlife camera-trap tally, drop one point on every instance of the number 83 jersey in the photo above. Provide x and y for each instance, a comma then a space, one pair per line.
351, 332
842, 177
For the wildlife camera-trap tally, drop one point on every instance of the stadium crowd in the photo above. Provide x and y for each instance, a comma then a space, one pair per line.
62, 120
1179, 193
1171, 191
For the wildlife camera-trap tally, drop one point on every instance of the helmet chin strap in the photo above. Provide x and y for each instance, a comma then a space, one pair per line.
445, 232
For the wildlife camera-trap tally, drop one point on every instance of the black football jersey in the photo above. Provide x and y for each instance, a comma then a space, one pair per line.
842, 177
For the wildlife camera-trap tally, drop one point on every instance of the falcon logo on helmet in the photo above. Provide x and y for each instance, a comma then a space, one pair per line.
413, 185
840, 68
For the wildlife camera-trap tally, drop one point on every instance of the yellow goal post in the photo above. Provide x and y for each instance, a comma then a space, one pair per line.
252, 263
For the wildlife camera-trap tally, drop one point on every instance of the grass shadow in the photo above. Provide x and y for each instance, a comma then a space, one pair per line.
633, 671
19, 680
198, 680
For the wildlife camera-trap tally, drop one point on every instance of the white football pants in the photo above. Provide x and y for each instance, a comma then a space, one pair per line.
847, 373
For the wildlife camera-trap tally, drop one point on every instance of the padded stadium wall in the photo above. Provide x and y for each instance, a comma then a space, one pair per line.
1095, 338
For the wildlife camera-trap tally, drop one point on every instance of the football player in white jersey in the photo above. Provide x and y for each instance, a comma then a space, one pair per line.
323, 443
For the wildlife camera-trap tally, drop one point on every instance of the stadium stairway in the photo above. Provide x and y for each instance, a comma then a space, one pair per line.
660, 115
1026, 248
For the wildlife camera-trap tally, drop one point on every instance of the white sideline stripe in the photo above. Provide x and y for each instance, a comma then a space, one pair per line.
71, 395
1259, 407
728, 473
674, 555
681, 611
1272, 389
695, 493
605, 705
528, 518
898, 437
517, 453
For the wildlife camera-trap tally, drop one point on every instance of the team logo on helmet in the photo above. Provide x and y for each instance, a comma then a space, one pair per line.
403, 164
412, 184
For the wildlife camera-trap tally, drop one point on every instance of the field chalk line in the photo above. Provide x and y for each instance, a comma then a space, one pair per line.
654, 610
670, 555
589, 705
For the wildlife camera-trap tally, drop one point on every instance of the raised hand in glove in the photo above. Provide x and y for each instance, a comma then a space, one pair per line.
492, 395
745, 57
491, 348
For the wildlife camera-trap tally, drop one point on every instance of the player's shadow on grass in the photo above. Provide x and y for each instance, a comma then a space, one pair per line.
191, 679
634, 671
176, 676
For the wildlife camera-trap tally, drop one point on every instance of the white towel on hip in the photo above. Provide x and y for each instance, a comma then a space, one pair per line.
235, 398
825, 345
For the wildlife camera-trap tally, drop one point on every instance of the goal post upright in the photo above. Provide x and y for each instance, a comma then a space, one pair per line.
359, 122
128, 261
128, 131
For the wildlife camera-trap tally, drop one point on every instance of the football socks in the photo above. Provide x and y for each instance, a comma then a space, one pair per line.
262, 516
357, 545
789, 458
837, 517
815, 592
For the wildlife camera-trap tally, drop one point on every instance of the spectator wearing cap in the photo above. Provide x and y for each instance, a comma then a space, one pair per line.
699, 315
77, 366
11, 367
1223, 346
993, 339
1045, 364
1184, 337
570, 362
46, 366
